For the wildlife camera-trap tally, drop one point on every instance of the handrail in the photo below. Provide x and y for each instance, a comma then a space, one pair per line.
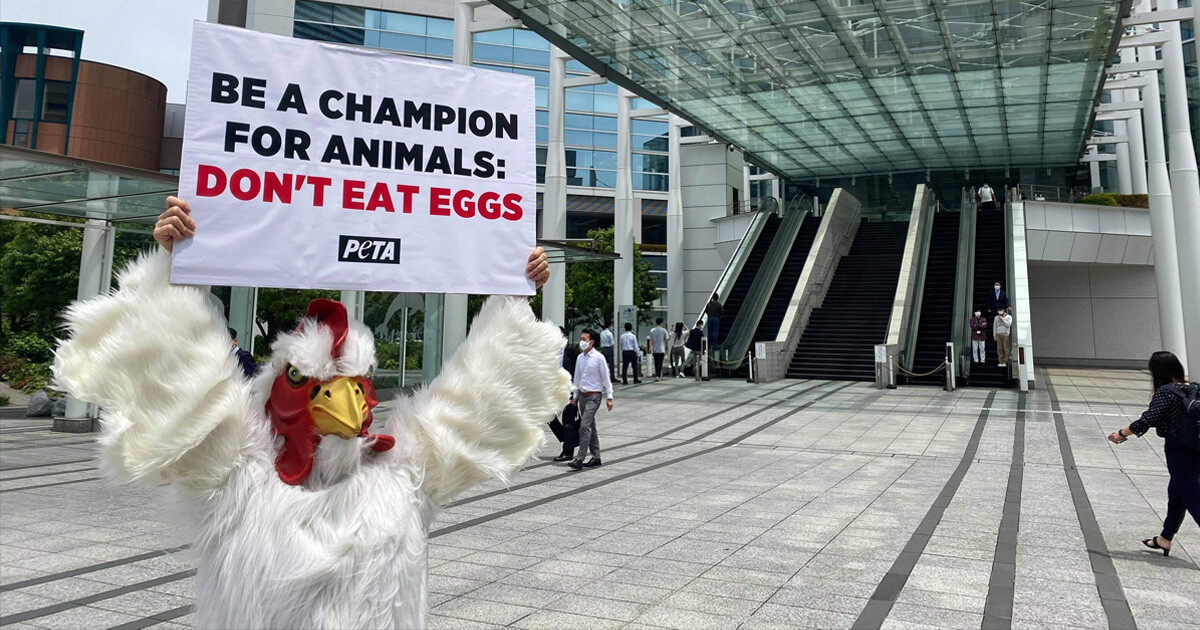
964, 279
1059, 194
741, 333
760, 204
1018, 290
910, 285
738, 260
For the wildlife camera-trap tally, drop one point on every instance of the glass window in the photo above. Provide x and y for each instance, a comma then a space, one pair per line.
607, 140
542, 97
439, 47
577, 138
542, 117
402, 42
350, 16
580, 101
527, 57
314, 11
504, 37
604, 123
23, 99
492, 52
606, 104
56, 100
604, 159
577, 121
543, 134
440, 27
529, 39
403, 23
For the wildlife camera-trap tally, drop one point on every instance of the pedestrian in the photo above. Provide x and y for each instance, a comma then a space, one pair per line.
713, 311
658, 346
1001, 329
590, 383
1174, 413
978, 338
986, 197
695, 343
678, 341
629, 355
569, 417
607, 343
245, 359
998, 299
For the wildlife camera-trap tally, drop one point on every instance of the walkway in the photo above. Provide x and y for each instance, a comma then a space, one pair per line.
719, 505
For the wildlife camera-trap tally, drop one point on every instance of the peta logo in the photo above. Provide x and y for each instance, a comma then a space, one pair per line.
369, 249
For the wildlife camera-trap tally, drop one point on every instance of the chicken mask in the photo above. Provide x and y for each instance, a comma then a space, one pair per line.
313, 396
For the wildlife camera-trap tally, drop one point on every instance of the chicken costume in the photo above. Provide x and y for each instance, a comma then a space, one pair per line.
304, 518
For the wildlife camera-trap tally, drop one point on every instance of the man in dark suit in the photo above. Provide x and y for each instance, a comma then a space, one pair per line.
569, 415
245, 359
997, 299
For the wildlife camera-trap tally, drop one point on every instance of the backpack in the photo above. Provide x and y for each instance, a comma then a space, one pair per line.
1189, 421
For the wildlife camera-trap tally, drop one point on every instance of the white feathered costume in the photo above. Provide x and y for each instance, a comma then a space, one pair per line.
345, 547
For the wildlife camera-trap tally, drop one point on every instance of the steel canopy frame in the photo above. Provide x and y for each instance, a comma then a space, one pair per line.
815, 88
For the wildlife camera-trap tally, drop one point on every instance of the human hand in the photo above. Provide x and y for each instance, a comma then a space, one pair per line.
609, 404
538, 269
174, 224
1116, 438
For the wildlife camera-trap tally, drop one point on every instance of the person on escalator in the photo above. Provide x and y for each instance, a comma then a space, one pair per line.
714, 311
978, 338
1001, 328
997, 299
986, 197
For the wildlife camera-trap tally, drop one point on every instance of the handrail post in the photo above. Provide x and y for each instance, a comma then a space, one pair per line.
950, 380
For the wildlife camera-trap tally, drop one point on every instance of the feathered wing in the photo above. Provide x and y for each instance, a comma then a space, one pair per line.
157, 359
482, 417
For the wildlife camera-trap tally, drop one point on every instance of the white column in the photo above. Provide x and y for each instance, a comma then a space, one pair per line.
1094, 168
243, 304
675, 288
1162, 221
454, 305
1185, 183
623, 210
1124, 177
746, 183
355, 302
95, 259
554, 197
1137, 147
777, 191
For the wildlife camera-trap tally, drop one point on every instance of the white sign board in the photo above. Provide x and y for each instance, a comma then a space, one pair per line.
314, 165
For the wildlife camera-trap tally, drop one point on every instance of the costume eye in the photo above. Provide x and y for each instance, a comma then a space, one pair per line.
294, 376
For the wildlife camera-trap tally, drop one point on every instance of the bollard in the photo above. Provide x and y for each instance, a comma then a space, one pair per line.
1022, 370
750, 363
950, 374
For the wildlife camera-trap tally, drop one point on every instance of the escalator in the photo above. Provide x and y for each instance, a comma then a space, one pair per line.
991, 265
754, 260
937, 299
839, 341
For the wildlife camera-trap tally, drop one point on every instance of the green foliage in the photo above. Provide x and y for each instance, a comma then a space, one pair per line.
1100, 199
4, 400
1133, 201
387, 354
28, 376
29, 346
280, 310
590, 285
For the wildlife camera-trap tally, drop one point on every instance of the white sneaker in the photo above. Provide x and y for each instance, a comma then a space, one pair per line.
1002, 364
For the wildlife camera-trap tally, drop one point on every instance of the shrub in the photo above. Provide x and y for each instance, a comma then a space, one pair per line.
4, 400
28, 346
1100, 199
1133, 201
30, 377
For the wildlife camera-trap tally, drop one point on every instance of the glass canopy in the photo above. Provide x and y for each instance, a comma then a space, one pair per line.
816, 88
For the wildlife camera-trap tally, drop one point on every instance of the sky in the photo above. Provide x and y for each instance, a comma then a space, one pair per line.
149, 36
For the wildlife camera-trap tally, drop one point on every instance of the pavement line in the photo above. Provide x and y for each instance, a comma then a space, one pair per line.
154, 620
24, 447
884, 597
998, 609
50, 474
27, 466
50, 485
568, 473
101, 596
633, 473
91, 568
1108, 583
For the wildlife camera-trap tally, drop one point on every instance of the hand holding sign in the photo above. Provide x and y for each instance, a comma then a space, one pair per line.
315, 165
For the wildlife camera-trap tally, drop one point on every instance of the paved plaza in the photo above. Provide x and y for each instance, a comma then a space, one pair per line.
797, 504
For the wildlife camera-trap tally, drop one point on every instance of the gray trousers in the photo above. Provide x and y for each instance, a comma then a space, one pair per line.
588, 438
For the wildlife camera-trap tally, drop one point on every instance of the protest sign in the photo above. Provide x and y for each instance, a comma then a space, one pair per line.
315, 165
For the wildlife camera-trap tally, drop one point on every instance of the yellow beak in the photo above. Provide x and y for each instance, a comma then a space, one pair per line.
339, 407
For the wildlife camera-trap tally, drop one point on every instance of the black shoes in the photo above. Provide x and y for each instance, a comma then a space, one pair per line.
593, 463
576, 465
564, 458
579, 465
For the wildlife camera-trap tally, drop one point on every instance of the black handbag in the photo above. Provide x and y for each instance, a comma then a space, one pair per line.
556, 427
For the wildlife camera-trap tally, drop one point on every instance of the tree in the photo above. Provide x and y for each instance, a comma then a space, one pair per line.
282, 309
590, 285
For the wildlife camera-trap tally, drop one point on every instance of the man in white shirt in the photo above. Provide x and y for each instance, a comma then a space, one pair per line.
590, 382
987, 197
1001, 328
607, 341
658, 346
629, 355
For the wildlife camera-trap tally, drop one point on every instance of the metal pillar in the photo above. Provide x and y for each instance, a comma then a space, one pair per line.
355, 302
1185, 182
554, 198
1162, 220
1137, 146
243, 305
623, 210
675, 292
95, 261
1124, 176
1094, 168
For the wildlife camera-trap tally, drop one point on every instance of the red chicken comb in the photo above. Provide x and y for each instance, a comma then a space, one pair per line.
332, 315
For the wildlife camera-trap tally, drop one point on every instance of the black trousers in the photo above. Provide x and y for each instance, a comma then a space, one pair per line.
658, 362
607, 352
1183, 491
629, 357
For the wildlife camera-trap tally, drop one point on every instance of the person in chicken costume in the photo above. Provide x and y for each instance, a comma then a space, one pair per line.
305, 518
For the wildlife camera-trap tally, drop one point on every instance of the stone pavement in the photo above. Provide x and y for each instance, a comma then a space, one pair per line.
719, 505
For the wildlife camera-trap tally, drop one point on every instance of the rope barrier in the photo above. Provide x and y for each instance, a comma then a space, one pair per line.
931, 373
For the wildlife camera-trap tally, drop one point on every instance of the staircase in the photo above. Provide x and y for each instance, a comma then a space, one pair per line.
991, 264
937, 300
839, 341
754, 260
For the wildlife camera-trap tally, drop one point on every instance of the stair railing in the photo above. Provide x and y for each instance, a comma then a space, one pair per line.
1018, 291
741, 333
910, 284
964, 280
738, 260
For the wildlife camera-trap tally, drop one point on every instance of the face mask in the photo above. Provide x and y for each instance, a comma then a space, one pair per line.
997, 287
584, 345
976, 313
